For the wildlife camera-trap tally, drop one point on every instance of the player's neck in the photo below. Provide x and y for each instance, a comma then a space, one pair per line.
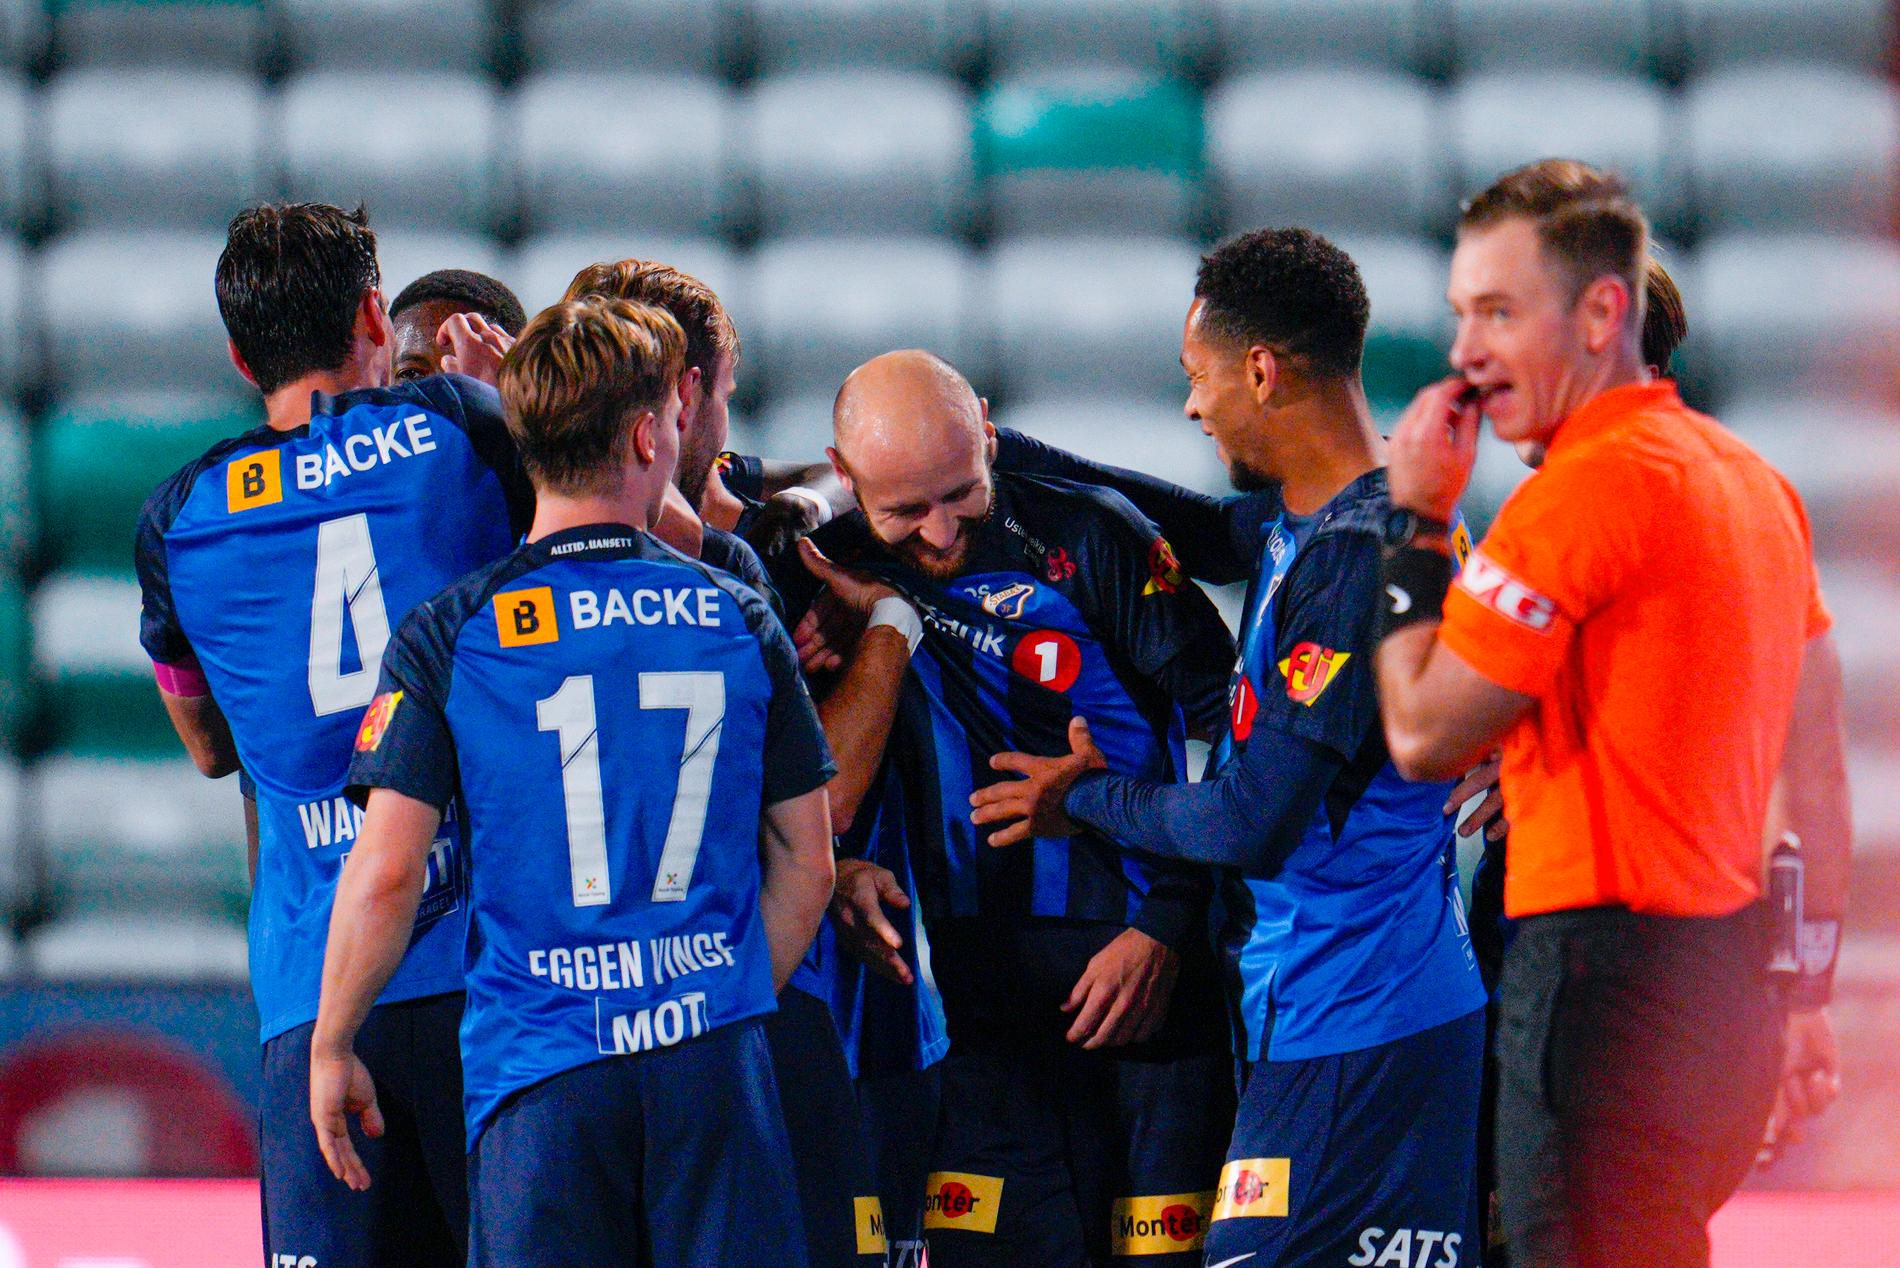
288, 408
1336, 444
558, 512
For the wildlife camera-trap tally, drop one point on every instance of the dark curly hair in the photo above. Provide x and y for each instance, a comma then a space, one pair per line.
1289, 290
289, 281
467, 290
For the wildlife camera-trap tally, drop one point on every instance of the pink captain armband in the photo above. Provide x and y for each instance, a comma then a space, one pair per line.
181, 680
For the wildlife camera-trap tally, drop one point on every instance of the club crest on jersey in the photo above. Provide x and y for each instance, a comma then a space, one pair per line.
1164, 570
526, 617
1309, 670
254, 480
376, 719
1008, 603
1504, 594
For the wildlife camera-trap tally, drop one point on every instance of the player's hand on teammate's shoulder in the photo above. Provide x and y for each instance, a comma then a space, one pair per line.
858, 899
473, 346
340, 1085
1122, 996
782, 520
1431, 451
1488, 815
1033, 804
830, 628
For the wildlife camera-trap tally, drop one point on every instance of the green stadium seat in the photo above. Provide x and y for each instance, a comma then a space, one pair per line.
1411, 326
1091, 150
100, 696
16, 490
16, 662
95, 463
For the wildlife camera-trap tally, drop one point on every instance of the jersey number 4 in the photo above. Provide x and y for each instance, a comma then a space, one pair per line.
570, 714
346, 585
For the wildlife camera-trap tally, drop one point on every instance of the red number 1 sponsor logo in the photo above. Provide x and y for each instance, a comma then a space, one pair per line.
1048, 657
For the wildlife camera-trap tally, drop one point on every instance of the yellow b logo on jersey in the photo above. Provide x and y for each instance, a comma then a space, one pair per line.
254, 480
526, 617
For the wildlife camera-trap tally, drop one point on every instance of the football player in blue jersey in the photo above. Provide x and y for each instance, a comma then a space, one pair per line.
1351, 971
643, 779
273, 569
1085, 1091
842, 1212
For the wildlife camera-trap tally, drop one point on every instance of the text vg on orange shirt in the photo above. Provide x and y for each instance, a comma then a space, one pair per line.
1653, 589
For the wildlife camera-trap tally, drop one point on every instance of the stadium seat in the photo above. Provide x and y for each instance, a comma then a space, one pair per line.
1613, 35
99, 695
202, 34
1857, 33
21, 169
1147, 435
153, 147
1351, 149
16, 491
141, 947
1411, 326
23, 31
601, 152
406, 254
132, 309
1251, 35
19, 336
541, 268
1089, 317
1794, 146
16, 872
1503, 119
405, 35
1750, 338
1842, 454
97, 460
415, 147
139, 836
1091, 150
16, 661
820, 307
796, 427
936, 35
856, 152
1163, 36
675, 36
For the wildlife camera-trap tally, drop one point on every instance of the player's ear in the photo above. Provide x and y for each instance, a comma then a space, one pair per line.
689, 390
374, 319
1263, 372
237, 359
646, 437
837, 465
1604, 308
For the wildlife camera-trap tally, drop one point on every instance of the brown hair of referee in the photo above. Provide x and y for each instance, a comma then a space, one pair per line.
1585, 219
583, 379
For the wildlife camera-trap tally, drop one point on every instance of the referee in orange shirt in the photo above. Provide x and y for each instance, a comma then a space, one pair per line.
1635, 629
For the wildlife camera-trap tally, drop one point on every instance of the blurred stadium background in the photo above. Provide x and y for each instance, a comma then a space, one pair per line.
1021, 185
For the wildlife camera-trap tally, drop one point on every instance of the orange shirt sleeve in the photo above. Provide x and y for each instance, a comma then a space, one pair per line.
1564, 545
1819, 619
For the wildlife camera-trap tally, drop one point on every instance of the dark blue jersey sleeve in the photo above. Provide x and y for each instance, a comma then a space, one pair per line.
404, 742
1217, 539
476, 407
797, 759
160, 634
730, 554
1321, 686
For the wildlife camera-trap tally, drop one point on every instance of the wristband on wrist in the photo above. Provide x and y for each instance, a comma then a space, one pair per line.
900, 616
1415, 580
1819, 947
811, 498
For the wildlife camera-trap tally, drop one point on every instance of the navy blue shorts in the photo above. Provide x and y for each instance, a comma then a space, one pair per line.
1367, 1157
900, 1127
672, 1156
415, 1211
844, 1219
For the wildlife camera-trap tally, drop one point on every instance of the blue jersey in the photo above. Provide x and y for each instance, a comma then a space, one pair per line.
1069, 603
277, 564
1360, 937
614, 717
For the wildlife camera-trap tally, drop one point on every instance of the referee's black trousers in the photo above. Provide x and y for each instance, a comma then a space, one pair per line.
1638, 1057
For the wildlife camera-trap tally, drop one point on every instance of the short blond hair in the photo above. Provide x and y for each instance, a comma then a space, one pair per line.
576, 380
710, 333
1585, 219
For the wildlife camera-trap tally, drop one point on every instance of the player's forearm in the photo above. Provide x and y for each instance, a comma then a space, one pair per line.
204, 732
776, 476
1814, 781
1174, 910
857, 714
373, 915
1249, 817
796, 887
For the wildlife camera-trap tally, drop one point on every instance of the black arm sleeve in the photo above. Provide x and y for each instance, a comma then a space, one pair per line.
1217, 539
797, 758
159, 631
1251, 816
477, 407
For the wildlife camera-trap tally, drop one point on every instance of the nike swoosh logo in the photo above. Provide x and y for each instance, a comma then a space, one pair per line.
1401, 604
1236, 1259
